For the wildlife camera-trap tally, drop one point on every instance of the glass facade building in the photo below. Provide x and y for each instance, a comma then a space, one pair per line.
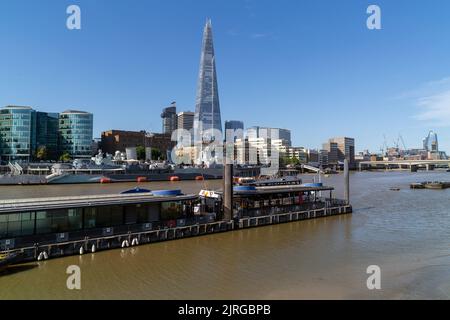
169, 119
207, 110
17, 133
23, 131
76, 133
273, 133
430, 143
234, 125
47, 133
233, 130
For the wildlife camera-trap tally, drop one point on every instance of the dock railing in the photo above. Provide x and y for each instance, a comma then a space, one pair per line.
322, 203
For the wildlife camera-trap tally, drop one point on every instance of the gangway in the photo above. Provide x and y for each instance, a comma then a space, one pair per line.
311, 168
15, 168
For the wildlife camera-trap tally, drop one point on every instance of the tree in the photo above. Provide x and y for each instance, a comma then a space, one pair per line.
140, 153
42, 153
157, 154
65, 157
285, 161
295, 161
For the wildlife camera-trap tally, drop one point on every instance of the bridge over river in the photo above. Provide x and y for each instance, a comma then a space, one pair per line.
412, 165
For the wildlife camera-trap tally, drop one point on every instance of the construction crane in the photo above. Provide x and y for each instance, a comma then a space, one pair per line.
403, 142
384, 148
396, 143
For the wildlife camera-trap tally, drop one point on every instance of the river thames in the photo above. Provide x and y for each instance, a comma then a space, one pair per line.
406, 233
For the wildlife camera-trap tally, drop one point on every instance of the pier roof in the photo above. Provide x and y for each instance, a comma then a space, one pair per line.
282, 189
21, 205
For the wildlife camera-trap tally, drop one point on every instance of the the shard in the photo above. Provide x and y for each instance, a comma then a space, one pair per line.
207, 109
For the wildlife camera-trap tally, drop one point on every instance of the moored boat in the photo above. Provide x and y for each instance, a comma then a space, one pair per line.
438, 185
55, 227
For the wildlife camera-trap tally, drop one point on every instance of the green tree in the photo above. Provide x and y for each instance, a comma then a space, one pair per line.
285, 161
65, 157
157, 154
140, 152
295, 161
42, 153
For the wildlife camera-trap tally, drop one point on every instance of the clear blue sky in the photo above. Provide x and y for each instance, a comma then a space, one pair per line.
310, 66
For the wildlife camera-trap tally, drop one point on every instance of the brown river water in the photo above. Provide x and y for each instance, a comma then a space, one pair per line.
406, 233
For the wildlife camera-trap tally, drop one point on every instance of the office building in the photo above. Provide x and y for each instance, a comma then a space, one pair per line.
313, 156
169, 119
332, 152
17, 133
346, 149
339, 149
233, 130
186, 120
207, 109
430, 142
76, 133
234, 125
323, 158
47, 125
120, 140
273, 133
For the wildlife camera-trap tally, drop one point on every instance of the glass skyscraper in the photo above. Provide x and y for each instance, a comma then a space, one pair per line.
430, 143
76, 133
207, 110
17, 133
47, 133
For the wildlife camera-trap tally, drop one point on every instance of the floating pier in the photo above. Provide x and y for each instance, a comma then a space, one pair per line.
40, 229
55, 249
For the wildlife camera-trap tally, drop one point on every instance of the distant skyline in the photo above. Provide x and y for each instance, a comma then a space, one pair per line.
309, 66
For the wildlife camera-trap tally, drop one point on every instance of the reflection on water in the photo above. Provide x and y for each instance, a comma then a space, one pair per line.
406, 233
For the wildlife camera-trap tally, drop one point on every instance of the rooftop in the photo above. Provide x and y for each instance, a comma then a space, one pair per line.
18, 107
20, 205
74, 112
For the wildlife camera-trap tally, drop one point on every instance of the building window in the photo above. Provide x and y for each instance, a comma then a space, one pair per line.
171, 210
43, 222
90, 215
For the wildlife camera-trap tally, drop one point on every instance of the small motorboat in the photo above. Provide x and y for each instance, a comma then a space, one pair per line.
419, 185
437, 185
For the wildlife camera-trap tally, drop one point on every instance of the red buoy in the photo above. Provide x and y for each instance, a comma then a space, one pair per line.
142, 179
199, 178
105, 180
174, 178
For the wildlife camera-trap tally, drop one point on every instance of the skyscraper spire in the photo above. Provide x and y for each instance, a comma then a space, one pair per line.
207, 110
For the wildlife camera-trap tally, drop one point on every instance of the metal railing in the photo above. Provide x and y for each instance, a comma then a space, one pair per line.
266, 211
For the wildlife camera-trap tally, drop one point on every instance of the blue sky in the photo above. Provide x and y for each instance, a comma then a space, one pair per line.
309, 66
